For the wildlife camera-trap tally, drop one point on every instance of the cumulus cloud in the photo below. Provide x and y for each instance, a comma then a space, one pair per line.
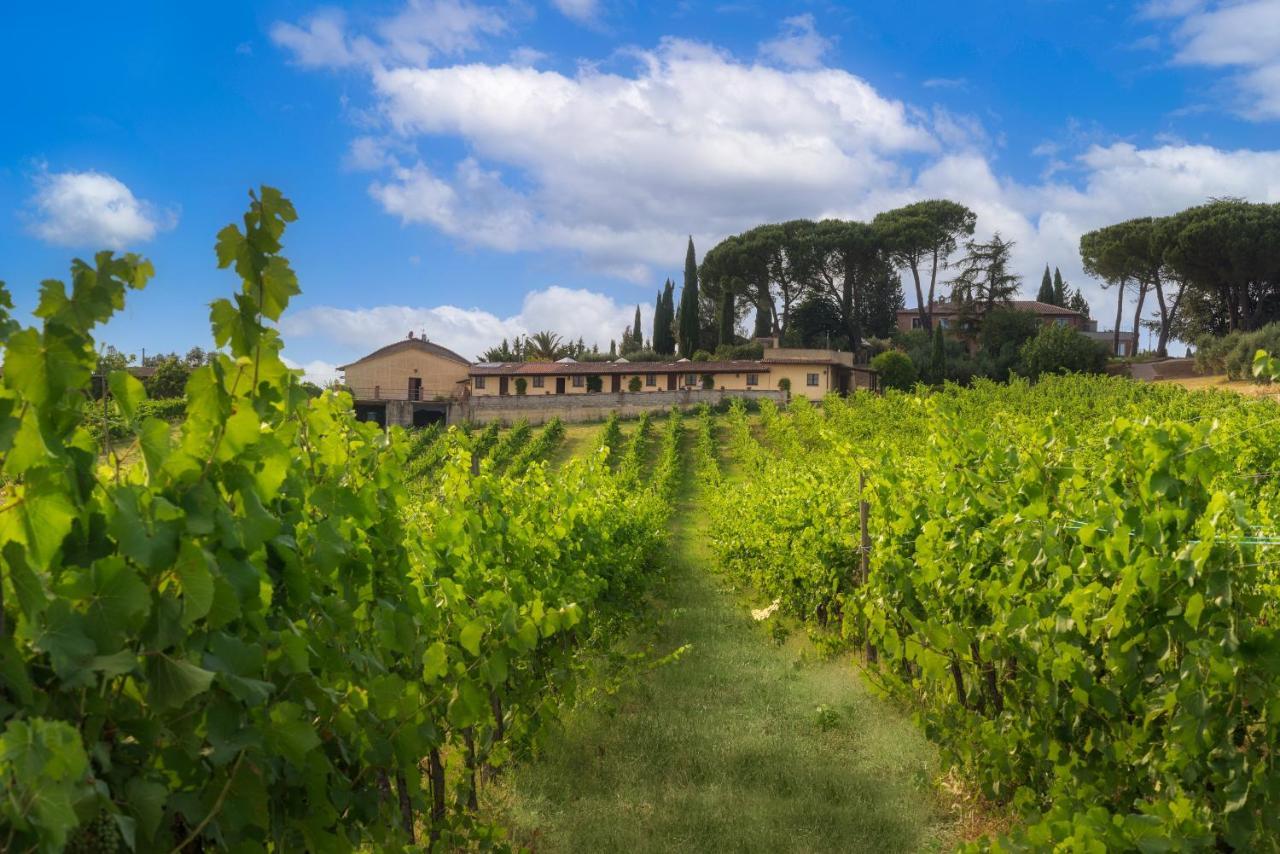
798, 45
617, 165
1243, 35
93, 210
572, 313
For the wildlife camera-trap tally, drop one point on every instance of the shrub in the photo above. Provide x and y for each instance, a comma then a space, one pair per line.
1232, 354
1004, 331
633, 384
896, 369
701, 356
169, 380
784, 384
594, 383
732, 352
708, 382
1061, 350
522, 385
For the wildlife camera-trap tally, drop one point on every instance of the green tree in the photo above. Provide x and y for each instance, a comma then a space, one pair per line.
688, 320
594, 383
169, 379
664, 321
1003, 332
938, 357
1060, 349
984, 280
1077, 302
633, 384
922, 236
895, 370
1046, 293
637, 333
724, 318
1059, 289
522, 385
546, 346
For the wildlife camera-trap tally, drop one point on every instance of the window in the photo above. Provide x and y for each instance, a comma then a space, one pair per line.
651, 380
579, 381
944, 322
479, 383
1061, 321
811, 379
690, 379
753, 379
538, 382
916, 322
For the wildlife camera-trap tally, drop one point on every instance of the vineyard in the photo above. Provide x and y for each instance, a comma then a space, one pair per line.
258, 624
1073, 584
279, 628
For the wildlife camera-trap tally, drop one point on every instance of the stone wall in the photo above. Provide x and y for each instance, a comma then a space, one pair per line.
539, 409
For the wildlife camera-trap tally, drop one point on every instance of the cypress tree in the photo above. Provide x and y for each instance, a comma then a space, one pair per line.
689, 321
726, 317
663, 324
1046, 293
637, 335
659, 308
1059, 289
938, 359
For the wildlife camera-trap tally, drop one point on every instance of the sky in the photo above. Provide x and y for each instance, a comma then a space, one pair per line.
476, 170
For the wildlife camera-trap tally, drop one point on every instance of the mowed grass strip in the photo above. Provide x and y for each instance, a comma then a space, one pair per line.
726, 749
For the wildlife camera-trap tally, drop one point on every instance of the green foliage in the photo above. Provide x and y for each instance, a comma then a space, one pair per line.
522, 385
895, 369
784, 384
237, 635
634, 384
1004, 332
1046, 294
708, 381
594, 383
688, 319
1060, 349
169, 380
937, 358
1071, 583
732, 352
1233, 354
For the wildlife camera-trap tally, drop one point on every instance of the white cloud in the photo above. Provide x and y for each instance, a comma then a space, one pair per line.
92, 210
1243, 35
320, 42
414, 35
798, 44
317, 371
582, 11
571, 313
619, 166
946, 83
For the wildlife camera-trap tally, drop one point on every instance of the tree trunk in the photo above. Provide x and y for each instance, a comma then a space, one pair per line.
920, 303
1137, 315
406, 807
1163, 338
1115, 342
436, 768
1173, 316
933, 283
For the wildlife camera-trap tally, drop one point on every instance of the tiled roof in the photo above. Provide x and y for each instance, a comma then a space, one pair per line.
410, 344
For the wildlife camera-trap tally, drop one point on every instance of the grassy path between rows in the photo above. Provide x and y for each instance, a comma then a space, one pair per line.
725, 749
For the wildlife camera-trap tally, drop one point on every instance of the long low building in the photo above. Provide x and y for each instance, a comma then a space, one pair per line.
804, 373
417, 382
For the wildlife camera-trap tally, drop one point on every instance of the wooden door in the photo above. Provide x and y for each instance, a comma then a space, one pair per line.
415, 388
503, 383
559, 385
617, 382
671, 382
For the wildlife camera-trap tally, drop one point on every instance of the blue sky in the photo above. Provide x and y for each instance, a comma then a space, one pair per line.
479, 169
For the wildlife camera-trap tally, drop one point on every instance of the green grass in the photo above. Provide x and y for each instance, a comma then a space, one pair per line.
726, 749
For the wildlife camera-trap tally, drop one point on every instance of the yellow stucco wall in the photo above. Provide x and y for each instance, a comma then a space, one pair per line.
388, 376
798, 374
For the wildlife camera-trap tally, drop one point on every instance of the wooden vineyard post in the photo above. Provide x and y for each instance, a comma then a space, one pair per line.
864, 510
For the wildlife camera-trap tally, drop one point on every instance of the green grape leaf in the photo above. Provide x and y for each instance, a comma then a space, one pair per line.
172, 682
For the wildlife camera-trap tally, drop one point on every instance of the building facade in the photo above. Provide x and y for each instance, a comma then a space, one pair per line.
952, 318
416, 382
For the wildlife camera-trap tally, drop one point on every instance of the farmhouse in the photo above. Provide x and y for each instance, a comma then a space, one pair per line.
416, 382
